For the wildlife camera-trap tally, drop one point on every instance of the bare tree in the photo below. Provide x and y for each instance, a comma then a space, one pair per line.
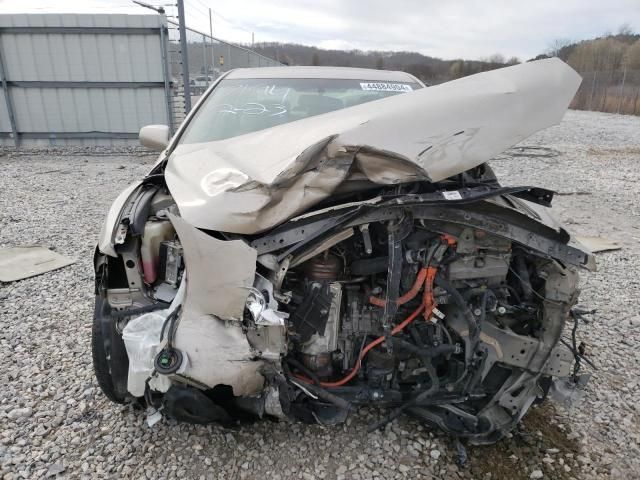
556, 47
625, 29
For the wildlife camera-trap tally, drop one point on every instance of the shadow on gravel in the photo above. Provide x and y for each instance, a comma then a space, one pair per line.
515, 458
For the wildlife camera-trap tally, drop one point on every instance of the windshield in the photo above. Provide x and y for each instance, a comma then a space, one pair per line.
239, 106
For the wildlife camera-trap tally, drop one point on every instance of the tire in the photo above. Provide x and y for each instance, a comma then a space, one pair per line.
110, 361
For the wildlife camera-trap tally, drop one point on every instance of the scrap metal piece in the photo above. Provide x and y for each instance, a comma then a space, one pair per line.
17, 263
598, 244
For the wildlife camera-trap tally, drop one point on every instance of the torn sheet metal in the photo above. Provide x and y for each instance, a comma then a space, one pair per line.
219, 276
598, 244
262, 313
17, 263
220, 272
253, 182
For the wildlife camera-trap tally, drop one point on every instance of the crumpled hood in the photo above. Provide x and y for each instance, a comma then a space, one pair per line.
253, 182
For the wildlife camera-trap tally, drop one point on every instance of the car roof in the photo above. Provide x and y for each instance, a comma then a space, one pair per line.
346, 73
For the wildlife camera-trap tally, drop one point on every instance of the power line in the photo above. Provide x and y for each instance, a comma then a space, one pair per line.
206, 7
222, 17
198, 9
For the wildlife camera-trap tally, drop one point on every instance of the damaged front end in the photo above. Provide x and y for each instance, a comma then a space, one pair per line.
421, 290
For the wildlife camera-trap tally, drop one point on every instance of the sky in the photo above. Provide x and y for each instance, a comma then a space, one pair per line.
470, 29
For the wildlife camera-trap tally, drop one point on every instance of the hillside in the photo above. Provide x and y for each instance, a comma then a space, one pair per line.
609, 65
610, 68
429, 69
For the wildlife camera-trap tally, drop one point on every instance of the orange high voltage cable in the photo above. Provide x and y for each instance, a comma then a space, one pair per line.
427, 306
410, 295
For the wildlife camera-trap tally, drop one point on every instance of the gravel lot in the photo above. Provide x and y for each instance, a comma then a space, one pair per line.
55, 422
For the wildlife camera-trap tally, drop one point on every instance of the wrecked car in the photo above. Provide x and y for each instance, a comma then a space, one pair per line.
316, 239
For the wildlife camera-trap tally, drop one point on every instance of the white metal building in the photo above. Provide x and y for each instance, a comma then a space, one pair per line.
82, 79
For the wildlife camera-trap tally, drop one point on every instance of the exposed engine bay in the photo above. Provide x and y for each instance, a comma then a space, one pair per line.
361, 256
392, 304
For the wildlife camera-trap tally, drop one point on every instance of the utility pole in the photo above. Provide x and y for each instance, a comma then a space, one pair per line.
213, 53
185, 59
204, 60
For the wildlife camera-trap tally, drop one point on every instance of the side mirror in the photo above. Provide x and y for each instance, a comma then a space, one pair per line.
155, 137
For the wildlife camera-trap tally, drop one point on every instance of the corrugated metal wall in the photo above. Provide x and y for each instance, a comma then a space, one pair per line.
82, 79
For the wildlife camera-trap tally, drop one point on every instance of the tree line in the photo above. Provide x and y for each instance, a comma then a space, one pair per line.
610, 68
430, 70
609, 65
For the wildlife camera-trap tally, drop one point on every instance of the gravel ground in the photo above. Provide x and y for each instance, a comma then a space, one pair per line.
55, 422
